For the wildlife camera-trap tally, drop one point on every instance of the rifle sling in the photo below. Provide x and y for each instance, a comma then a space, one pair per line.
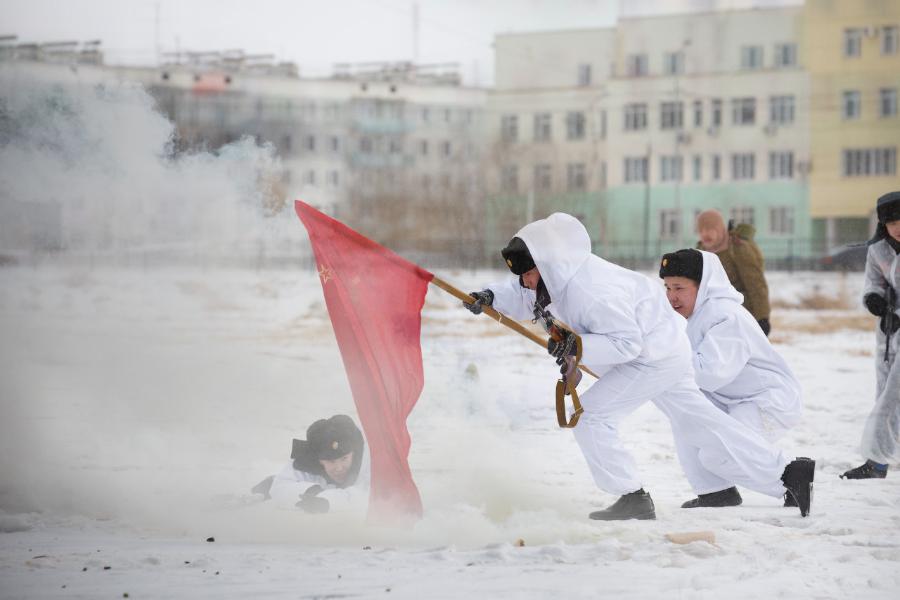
564, 387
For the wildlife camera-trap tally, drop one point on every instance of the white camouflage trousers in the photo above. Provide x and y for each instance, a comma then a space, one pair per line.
716, 451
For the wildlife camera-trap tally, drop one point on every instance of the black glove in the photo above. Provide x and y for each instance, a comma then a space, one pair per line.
563, 348
311, 503
482, 299
876, 304
890, 323
764, 325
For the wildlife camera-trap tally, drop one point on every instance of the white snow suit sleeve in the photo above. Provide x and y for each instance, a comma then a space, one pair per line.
612, 335
512, 299
289, 484
721, 355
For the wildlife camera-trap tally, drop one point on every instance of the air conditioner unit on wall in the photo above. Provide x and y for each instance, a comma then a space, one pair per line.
871, 31
804, 167
770, 129
683, 137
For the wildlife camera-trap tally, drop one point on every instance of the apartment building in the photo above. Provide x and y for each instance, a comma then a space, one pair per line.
681, 113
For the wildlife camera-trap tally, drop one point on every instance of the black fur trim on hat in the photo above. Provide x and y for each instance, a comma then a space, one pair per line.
888, 207
517, 256
329, 439
683, 263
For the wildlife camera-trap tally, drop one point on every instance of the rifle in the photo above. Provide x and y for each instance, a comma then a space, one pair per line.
889, 317
565, 386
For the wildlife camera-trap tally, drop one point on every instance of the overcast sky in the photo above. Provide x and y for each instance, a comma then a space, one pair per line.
318, 33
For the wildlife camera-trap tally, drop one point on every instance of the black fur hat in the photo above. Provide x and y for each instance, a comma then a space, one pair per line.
888, 207
328, 439
517, 256
683, 263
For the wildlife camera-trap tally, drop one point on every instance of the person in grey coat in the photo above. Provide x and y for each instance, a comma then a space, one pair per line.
881, 436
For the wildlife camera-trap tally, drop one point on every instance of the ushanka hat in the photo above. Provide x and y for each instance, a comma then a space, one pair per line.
683, 263
888, 207
517, 257
329, 439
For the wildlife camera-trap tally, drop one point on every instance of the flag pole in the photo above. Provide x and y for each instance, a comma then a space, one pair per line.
499, 317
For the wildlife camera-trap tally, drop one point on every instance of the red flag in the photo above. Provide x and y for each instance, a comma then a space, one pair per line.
375, 299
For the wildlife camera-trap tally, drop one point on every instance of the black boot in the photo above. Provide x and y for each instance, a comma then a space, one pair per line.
728, 497
798, 481
789, 500
865, 471
636, 505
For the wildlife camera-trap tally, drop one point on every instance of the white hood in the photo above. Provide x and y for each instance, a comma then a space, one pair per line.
714, 283
559, 246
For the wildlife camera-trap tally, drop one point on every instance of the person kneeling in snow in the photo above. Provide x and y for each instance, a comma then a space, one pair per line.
735, 366
330, 469
632, 338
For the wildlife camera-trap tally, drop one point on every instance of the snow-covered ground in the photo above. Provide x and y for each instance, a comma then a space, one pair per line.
137, 407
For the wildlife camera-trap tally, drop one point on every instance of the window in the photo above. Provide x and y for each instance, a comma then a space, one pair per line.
716, 113
584, 75
887, 105
743, 166
335, 143
716, 167
635, 116
603, 174
889, 40
670, 115
446, 149
509, 178
543, 178
751, 57
781, 110
636, 169
852, 42
781, 165
636, 65
423, 147
603, 124
309, 178
576, 177
509, 128
741, 214
575, 126
365, 145
309, 143
781, 220
698, 113
669, 223
542, 131
673, 63
426, 114
869, 162
670, 168
785, 55
698, 167
743, 111
851, 105
334, 178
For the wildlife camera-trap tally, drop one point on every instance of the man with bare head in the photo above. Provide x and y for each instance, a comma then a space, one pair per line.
742, 260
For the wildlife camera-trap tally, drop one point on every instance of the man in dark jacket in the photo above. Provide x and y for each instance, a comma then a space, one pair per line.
742, 259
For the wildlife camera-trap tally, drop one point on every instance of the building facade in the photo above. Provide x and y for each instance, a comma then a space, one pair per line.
681, 113
853, 51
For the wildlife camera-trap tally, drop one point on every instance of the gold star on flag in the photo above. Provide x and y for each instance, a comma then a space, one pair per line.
325, 273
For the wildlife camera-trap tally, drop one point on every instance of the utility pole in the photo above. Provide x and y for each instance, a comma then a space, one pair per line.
415, 33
